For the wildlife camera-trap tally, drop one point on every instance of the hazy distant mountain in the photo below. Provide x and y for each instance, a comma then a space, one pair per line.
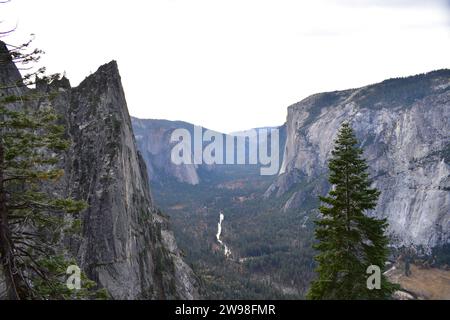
153, 139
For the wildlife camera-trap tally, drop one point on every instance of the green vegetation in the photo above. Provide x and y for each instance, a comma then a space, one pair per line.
272, 255
348, 240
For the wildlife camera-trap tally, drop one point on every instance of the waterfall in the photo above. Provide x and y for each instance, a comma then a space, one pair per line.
227, 251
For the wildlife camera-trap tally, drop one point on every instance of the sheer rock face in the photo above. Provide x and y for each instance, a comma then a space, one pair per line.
9, 75
404, 127
153, 139
126, 245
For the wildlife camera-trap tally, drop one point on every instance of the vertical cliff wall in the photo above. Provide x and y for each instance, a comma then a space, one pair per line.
404, 127
126, 245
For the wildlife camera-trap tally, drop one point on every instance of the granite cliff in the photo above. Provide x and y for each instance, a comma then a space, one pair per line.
403, 125
126, 245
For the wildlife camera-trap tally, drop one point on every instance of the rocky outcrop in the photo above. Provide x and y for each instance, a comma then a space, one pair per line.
126, 245
403, 126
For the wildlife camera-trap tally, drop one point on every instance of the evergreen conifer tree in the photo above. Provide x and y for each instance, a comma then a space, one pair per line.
349, 241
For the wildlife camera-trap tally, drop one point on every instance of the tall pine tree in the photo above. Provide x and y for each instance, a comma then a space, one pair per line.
349, 241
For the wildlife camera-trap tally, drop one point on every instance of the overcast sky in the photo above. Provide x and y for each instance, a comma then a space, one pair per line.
235, 64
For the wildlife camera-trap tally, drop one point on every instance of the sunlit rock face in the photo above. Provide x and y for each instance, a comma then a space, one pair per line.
126, 245
403, 126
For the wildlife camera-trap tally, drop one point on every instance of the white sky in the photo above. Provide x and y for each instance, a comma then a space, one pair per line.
235, 64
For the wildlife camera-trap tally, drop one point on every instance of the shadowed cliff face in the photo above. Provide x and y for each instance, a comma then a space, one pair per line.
9, 75
403, 125
126, 245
